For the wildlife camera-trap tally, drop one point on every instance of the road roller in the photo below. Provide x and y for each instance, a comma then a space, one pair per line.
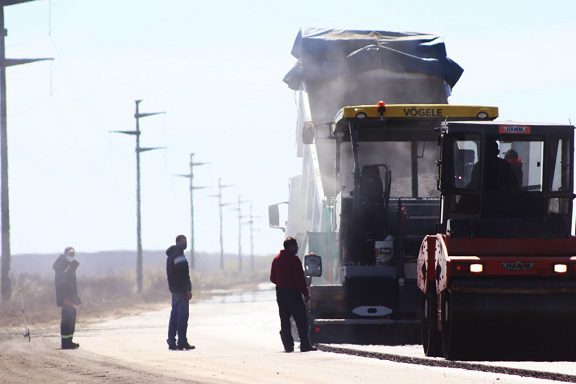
498, 279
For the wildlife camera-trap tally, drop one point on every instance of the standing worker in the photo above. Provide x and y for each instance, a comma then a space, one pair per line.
67, 295
288, 275
181, 288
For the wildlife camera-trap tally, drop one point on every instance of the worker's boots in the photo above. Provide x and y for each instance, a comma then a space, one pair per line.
288, 341
307, 348
69, 344
185, 346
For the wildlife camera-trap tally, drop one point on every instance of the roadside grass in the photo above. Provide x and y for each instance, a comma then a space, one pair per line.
114, 295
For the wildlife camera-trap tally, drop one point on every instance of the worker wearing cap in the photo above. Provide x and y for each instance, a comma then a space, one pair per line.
67, 295
288, 275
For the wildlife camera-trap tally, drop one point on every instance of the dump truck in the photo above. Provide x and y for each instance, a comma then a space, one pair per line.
367, 193
498, 278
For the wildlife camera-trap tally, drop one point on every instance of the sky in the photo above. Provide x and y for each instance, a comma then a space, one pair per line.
215, 68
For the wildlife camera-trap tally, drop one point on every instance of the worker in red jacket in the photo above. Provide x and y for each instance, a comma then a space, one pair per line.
288, 275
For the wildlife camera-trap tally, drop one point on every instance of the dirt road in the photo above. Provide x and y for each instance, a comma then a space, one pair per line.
237, 342
41, 362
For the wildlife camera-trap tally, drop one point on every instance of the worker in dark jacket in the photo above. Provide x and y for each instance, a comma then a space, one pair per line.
181, 288
288, 275
67, 295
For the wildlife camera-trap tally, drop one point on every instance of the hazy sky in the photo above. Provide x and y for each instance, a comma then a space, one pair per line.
216, 69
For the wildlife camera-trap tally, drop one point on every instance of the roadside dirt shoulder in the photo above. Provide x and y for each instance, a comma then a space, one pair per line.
41, 361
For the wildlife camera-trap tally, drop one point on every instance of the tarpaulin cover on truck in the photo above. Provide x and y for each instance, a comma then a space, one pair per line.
327, 53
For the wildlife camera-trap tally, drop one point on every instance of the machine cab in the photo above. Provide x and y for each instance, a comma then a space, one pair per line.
506, 180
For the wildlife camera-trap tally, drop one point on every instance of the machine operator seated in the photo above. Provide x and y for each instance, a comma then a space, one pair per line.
499, 175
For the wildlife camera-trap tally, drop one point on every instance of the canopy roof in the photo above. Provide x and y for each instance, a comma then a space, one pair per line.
327, 53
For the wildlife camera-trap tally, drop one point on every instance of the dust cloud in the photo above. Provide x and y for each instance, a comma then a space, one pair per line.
334, 77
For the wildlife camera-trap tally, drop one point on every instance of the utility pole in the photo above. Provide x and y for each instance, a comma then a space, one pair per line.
6, 286
251, 225
192, 189
220, 206
240, 217
138, 115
